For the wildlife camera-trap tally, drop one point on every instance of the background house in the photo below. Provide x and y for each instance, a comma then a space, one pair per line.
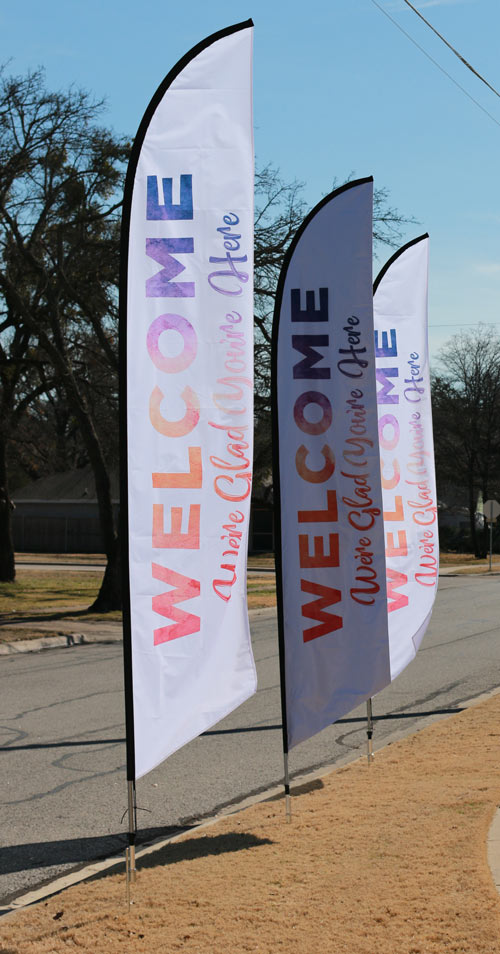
59, 514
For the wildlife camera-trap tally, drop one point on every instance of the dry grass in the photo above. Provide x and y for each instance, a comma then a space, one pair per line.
261, 591
65, 596
383, 860
257, 560
45, 603
462, 559
45, 591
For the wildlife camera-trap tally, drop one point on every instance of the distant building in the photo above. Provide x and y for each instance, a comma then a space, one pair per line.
59, 514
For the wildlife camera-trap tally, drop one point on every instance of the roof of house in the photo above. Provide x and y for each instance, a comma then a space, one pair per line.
69, 485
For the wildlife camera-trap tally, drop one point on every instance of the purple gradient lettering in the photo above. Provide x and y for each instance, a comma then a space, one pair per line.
161, 285
172, 365
156, 212
383, 396
386, 350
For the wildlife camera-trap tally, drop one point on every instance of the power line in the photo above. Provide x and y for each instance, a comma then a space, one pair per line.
438, 65
452, 48
465, 324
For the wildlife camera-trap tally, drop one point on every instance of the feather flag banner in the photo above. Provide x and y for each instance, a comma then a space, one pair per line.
406, 448
332, 604
187, 400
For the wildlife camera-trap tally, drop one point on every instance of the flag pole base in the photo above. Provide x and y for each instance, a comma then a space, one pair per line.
130, 870
127, 876
369, 731
133, 870
288, 800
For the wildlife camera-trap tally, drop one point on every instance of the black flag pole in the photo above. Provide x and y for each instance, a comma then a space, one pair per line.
124, 522
124, 552
277, 527
277, 555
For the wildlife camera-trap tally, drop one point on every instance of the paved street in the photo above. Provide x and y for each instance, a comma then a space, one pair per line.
62, 784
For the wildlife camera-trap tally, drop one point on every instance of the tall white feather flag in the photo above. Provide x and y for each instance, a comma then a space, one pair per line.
406, 448
187, 413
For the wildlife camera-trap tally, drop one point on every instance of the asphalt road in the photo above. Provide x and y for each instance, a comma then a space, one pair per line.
62, 784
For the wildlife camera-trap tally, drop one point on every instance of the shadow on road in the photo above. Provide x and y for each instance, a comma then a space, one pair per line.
361, 720
30, 746
418, 714
358, 719
74, 851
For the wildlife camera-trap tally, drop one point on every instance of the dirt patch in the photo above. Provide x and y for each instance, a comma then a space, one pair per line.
389, 859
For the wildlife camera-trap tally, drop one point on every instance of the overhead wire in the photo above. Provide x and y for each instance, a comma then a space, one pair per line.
435, 62
462, 89
452, 48
463, 324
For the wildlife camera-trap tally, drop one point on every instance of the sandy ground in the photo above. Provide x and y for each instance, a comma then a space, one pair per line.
387, 859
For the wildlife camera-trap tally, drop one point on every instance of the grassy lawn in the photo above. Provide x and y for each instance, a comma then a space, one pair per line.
42, 595
48, 592
56, 596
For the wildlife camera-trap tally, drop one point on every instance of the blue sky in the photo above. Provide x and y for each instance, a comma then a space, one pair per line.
337, 89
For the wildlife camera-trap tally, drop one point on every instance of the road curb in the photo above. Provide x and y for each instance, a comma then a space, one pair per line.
74, 639
69, 640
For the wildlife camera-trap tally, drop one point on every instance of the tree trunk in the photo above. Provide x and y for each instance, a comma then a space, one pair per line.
472, 516
485, 532
7, 562
110, 593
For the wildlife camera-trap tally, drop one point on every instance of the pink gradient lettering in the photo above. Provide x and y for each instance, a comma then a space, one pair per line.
184, 588
172, 365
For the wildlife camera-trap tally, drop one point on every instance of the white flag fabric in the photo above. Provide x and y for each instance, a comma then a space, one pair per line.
406, 448
330, 548
187, 319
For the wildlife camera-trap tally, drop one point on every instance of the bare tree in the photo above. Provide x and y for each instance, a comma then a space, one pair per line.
466, 415
60, 194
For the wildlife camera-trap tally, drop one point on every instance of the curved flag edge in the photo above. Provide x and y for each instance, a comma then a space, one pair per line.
122, 367
397, 254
